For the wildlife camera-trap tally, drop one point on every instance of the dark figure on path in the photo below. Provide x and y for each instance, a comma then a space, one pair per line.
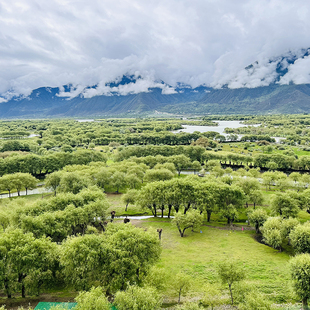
159, 230
112, 215
126, 220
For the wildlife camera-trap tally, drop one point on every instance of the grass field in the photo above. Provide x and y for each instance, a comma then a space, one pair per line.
199, 252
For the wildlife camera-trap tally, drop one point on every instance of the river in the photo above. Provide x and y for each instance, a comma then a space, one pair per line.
220, 128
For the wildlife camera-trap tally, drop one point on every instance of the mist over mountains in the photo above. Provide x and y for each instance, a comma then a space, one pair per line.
262, 87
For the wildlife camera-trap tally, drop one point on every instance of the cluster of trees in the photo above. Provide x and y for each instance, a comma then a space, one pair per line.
60, 133
38, 164
270, 161
17, 181
195, 153
284, 229
61, 216
126, 174
66, 239
120, 257
147, 295
205, 195
295, 128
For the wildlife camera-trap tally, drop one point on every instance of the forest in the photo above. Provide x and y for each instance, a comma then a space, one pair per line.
137, 213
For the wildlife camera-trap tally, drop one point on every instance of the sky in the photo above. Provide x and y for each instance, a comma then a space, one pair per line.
51, 43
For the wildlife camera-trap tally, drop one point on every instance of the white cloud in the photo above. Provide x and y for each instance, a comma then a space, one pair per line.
85, 43
298, 73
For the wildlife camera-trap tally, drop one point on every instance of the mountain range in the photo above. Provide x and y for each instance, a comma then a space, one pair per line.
46, 102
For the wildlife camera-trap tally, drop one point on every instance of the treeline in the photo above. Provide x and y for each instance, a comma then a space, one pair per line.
195, 153
269, 161
42, 164
205, 195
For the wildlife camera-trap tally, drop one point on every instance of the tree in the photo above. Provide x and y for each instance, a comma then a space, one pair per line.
272, 232
158, 278
256, 197
300, 238
192, 219
22, 255
102, 178
81, 259
231, 198
182, 283
118, 180
181, 162
52, 180
154, 175
269, 179
92, 300
196, 166
133, 252
7, 183
230, 273
212, 296
300, 273
207, 197
129, 197
295, 176
29, 182
284, 205
120, 257
258, 217
138, 298
248, 185
133, 180
73, 182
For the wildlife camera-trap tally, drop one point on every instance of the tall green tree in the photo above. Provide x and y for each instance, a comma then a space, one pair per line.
192, 219
230, 273
300, 273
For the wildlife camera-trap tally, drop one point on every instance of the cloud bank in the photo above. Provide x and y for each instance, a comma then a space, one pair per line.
85, 43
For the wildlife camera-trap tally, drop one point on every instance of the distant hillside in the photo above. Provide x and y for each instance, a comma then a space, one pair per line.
275, 98
44, 102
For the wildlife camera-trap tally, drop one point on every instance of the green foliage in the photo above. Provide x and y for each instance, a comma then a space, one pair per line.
230, 273
272, 233
138, 298
73, 182
284, 205
258, 217
192, 219
22, 256
121, 256
93, 300
154, 175
300, 273
181, 284
300, 238
255, 301
212, 296
129, 197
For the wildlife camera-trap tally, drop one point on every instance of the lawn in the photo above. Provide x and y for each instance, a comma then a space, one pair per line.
199, 252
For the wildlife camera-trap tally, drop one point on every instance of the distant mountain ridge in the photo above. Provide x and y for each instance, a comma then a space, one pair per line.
48, 102
44, 102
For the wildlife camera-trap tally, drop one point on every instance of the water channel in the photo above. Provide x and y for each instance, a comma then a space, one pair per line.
220, 128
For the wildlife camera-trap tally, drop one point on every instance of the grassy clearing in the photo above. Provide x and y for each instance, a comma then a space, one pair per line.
117, 205
198, 254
